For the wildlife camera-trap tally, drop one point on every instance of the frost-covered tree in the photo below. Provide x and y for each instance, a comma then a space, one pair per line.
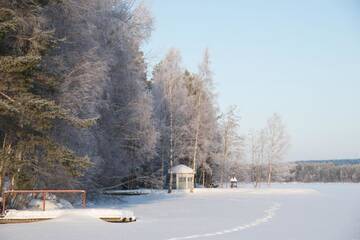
171, 108
186, 116
267, 147
83, 56
203, 123
277, 143
257, 146
30, 156
207, 126
232, 145
104, 75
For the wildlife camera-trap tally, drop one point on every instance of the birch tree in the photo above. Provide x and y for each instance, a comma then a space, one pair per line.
171, 109
232, 142
257, 147
203, 124
277, 143
268, 147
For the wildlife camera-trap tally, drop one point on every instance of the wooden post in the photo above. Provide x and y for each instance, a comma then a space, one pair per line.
84, 199
3, 203
44, 198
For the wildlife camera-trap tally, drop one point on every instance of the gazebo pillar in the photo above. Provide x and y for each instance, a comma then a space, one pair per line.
192, 182
177, 181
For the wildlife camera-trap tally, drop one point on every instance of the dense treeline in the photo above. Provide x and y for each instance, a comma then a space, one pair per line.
74, 98
335, 162
325, 172
104, 76
78, 109
30, 155
304, 171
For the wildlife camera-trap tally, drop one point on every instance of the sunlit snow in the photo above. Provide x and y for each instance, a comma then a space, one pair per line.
286, 211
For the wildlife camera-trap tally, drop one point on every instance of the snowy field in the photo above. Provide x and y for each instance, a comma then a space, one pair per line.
286, 211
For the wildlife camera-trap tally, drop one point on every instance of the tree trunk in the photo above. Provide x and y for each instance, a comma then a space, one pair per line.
162, 168
269, 173
13, 184
196, 139
2, 167
224, 159
258, 176
203, 177
171, 151
2, 175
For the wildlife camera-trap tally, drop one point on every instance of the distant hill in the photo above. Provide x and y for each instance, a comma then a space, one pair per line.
337, 162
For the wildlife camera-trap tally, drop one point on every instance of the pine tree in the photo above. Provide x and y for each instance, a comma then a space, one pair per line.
30, 157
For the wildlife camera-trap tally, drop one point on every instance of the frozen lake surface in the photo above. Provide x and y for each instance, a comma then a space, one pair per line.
286, 211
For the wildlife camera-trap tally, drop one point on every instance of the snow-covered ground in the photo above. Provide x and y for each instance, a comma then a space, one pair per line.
286, 211
58, 213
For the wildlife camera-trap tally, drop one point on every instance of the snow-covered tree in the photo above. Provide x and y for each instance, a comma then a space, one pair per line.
103, 74
204, 122
257, 146
232, 143
30, 155
277, 143
268, 146
171, 108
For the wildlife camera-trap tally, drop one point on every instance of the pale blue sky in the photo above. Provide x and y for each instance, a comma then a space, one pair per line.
300, 59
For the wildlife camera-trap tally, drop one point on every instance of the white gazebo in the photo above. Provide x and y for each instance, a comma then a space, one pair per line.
233, 182
183, 176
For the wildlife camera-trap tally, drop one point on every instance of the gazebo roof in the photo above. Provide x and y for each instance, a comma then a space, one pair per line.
233, 179
181, 168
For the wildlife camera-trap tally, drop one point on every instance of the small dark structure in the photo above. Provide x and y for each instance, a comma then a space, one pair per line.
233, 182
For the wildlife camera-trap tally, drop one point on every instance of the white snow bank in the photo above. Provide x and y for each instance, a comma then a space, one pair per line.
29, 214
107, 213
37, 204
247, 189
261, 191
96, 213
134, 191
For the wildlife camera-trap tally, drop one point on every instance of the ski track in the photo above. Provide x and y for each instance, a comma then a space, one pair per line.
269, 214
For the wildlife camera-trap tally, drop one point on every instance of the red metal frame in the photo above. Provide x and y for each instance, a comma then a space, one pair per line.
43, 192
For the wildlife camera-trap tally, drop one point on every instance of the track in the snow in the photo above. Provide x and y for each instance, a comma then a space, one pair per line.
269, 214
